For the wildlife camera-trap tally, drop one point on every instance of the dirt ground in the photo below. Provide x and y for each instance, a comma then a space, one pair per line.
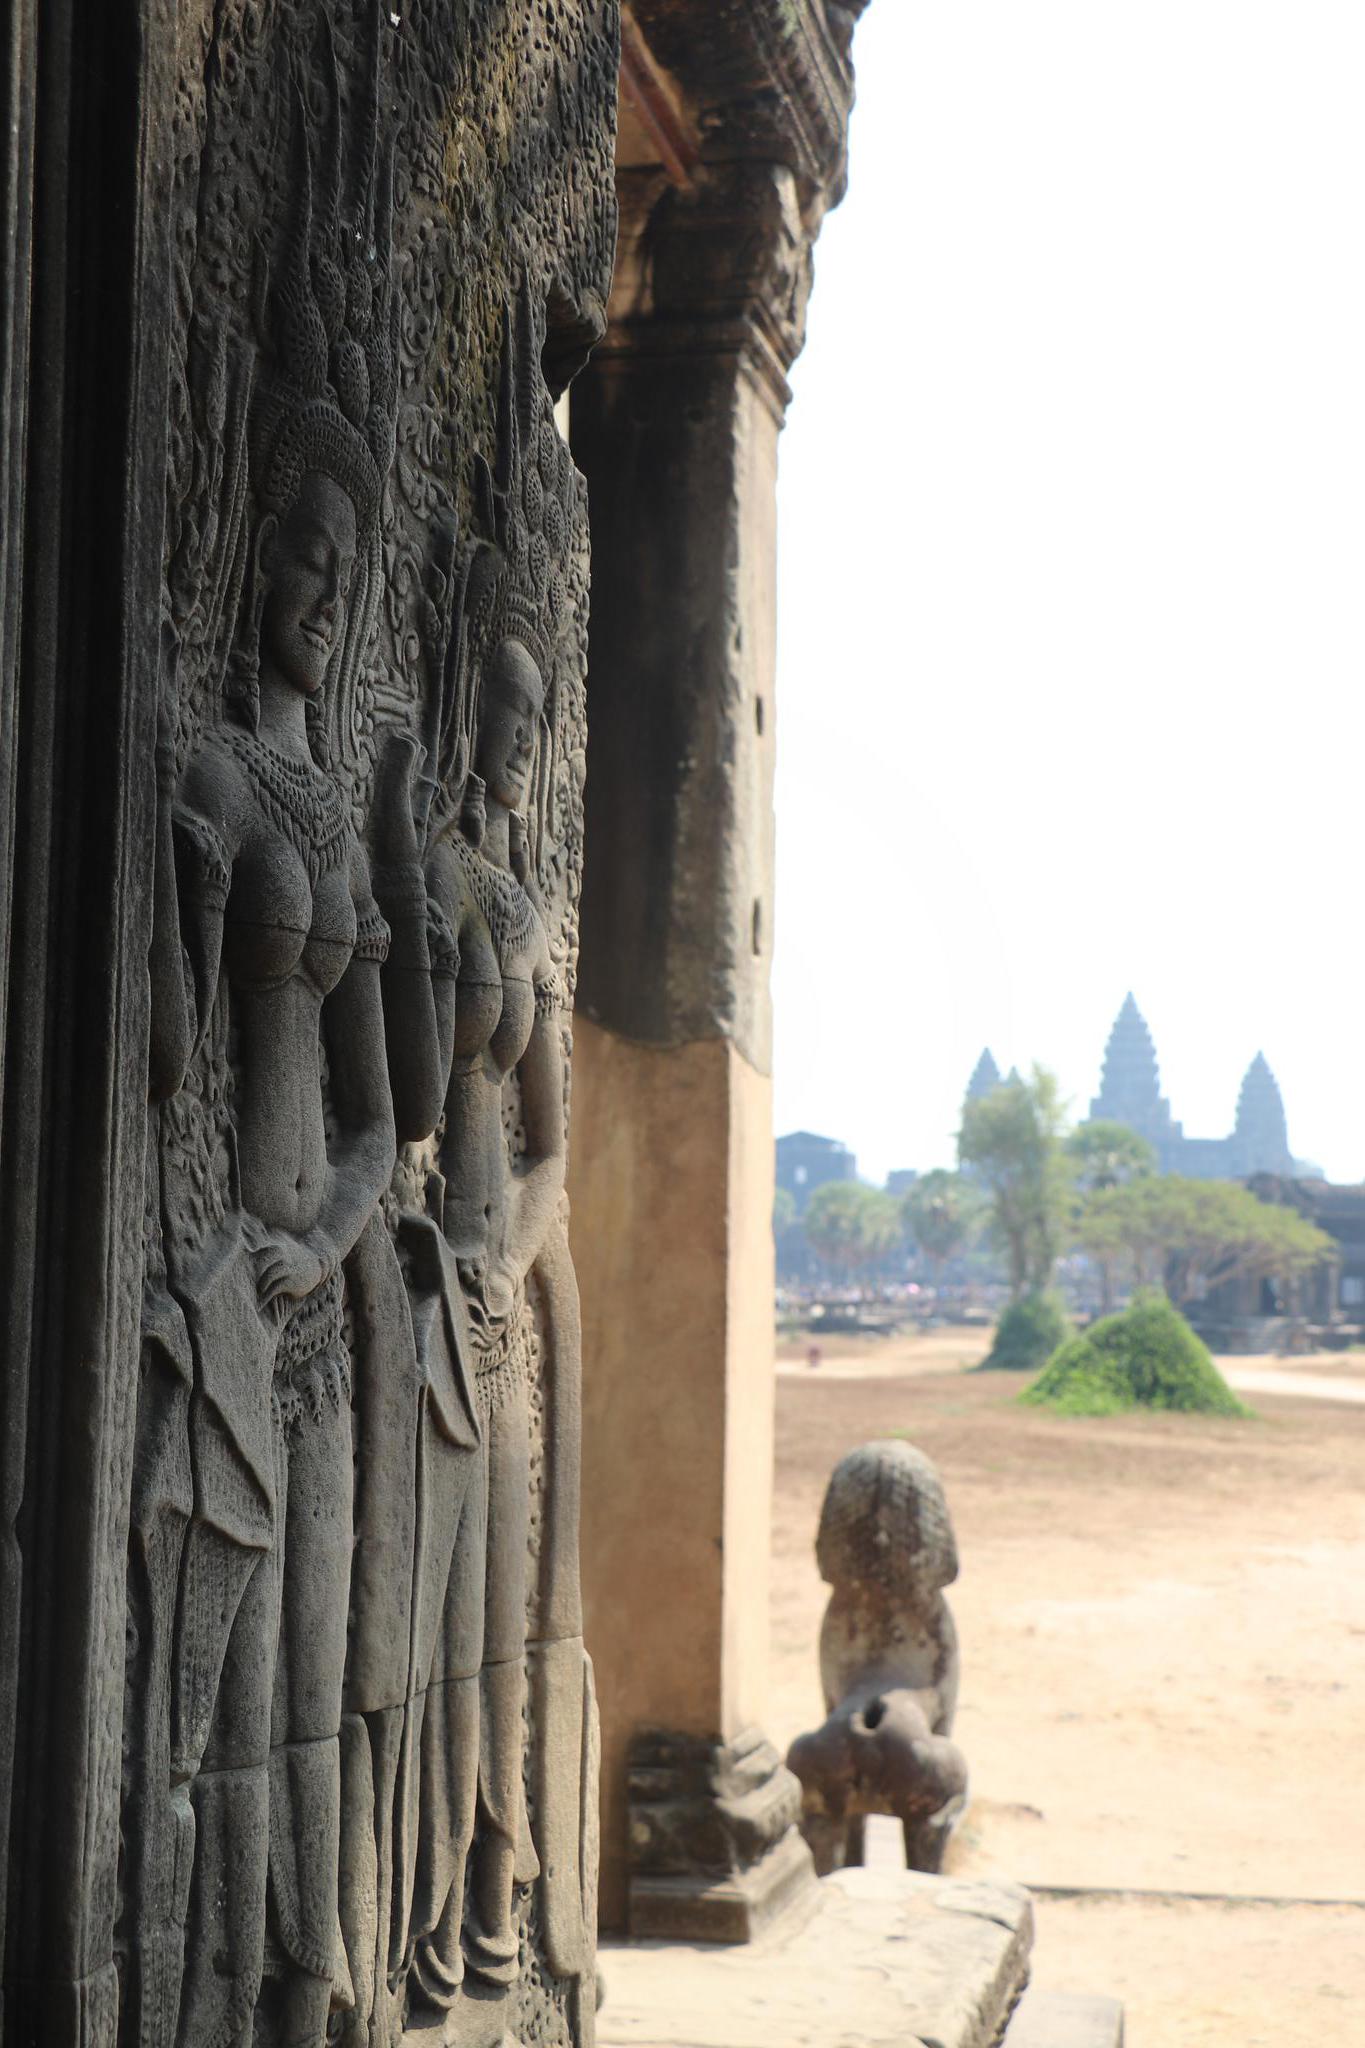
1163, 1641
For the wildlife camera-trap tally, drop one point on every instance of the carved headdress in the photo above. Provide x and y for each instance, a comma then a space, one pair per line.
327, 317
533, 498
519, 586
328, 401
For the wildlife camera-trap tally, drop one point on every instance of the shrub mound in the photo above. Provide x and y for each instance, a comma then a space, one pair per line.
1147, 1356
1027, 1334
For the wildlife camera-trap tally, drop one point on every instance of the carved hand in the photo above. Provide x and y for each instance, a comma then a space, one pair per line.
519, 857
519, 848
499, 1291
393, 824
286, 1265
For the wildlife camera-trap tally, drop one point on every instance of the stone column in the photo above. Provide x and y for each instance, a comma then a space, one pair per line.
671, 1175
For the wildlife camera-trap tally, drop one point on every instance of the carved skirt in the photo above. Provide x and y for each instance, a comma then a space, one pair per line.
261, 1635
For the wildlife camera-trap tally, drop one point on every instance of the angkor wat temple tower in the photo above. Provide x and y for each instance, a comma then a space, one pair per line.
1130, 1093
1261, 1135
985, 1076
1130, 1086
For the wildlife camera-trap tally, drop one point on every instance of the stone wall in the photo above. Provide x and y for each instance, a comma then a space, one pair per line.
296, 1725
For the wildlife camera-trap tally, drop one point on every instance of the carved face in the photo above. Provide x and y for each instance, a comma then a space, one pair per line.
308, 562
513, 697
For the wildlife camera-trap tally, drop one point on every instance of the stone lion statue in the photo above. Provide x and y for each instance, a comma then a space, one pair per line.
888, 1662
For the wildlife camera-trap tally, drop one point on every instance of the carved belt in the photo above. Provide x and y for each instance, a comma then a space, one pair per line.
503, 1354
312, 1367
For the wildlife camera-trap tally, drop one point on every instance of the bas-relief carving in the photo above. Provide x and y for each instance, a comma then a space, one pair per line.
359, 1782
888, 1662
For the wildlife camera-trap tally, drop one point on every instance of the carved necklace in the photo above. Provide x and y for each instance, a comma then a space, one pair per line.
299, 799
507, 909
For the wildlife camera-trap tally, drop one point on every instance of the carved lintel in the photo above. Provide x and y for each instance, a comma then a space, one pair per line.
738, 150
649, 94
721, 267
715, 1848
770, 79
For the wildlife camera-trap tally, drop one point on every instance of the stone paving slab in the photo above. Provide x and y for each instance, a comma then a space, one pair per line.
1065, 2019
871, 1957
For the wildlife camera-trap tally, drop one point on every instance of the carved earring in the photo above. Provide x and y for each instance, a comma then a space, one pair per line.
243, 687
315, 726
473, 811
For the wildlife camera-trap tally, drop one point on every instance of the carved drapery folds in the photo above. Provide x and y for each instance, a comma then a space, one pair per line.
359, 1732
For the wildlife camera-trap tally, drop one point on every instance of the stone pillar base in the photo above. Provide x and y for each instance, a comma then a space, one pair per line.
715, 1850
723, 1909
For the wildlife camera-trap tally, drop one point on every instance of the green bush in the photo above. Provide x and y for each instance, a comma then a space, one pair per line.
1027, 1334
1147, 1356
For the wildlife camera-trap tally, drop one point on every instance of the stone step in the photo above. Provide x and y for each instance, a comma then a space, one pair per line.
866, 1959
1065, 2019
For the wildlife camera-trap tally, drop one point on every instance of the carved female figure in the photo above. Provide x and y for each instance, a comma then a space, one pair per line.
274, 915
497, 1207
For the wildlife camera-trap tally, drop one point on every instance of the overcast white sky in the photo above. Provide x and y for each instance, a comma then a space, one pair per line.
1071, 636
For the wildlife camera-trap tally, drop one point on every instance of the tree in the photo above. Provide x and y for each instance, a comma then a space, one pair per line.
1102, 1154
1189, 1236
784, 1211
1012, 1137
1222, 1233
939, 1212
850, 1225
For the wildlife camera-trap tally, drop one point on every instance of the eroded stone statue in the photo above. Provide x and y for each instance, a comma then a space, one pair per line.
888, 1662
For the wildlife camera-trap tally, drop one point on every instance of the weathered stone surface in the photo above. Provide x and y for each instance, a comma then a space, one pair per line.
874, 1957
1065, 2019
734, 1908
296, 1716
731, 148
714, 1849
671, 1183
888, 1662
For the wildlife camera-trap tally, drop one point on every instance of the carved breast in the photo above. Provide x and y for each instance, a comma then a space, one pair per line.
289, 910
516, 1017
279, 924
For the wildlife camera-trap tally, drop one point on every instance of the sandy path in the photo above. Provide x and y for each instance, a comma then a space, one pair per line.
1163, 1624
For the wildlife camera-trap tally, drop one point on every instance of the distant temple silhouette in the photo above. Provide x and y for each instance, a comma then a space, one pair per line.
1130, 1093
985, 1076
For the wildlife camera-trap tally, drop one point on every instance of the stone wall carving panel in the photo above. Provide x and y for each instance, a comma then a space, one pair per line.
359, 1791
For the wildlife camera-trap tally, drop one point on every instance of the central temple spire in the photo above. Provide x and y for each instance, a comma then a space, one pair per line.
1130, 1086
985, 1076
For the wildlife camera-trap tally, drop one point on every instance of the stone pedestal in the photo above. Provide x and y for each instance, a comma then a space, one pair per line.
714, 1851
872, 1957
